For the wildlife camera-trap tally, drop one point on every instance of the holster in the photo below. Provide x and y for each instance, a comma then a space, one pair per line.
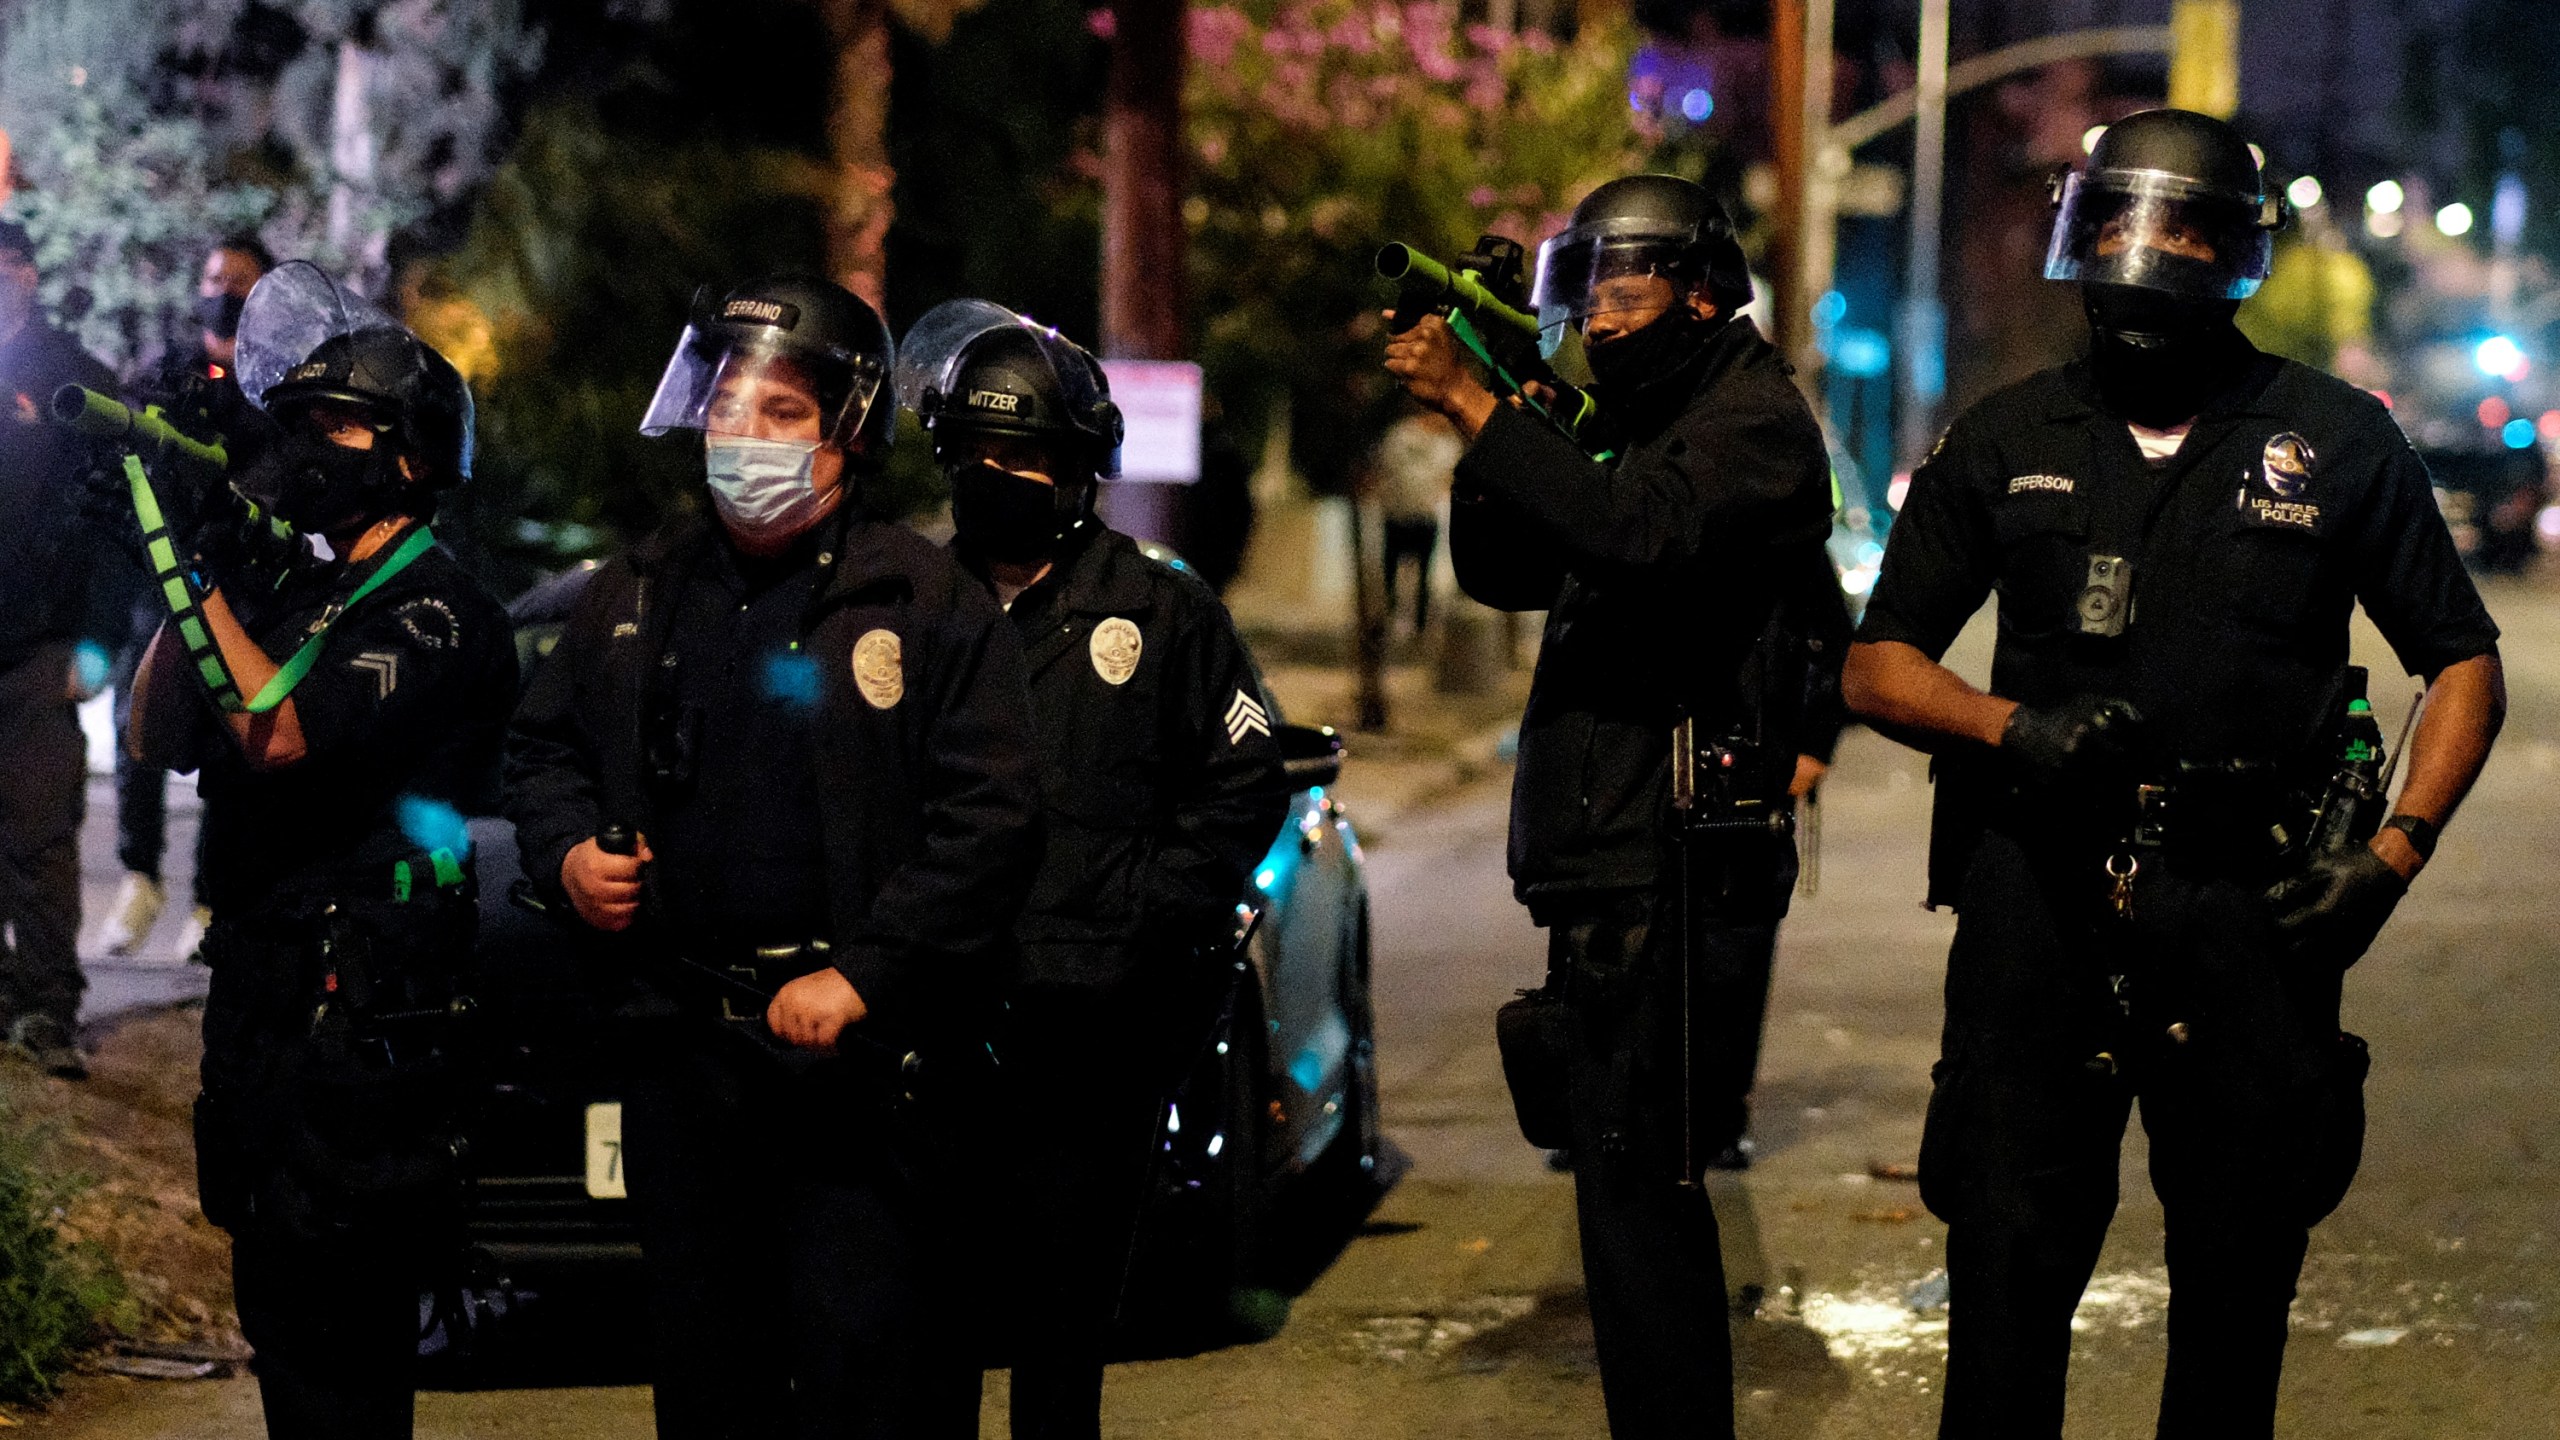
1535, 1033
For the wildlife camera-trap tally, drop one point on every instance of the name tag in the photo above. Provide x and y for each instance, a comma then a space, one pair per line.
2042, 484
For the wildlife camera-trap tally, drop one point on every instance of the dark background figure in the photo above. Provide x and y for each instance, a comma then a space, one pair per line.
2178, 529
1161, 787
1664, 574
54, 646
814, 725
1411, 469
1222, 508
201, 395
345, 715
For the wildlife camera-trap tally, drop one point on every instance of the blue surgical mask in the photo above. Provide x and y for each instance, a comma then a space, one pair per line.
762, 488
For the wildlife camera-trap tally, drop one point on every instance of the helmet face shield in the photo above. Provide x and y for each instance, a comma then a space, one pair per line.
974, 365
291, 312
748, 380
1611, 266
2156, 231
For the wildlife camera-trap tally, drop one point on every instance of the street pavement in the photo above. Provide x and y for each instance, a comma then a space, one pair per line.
2428, 1308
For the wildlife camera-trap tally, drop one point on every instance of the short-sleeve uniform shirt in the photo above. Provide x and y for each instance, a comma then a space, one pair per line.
2292, 498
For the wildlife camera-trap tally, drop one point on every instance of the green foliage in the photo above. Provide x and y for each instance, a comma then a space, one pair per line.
119, 196
54, 1296
565, 301
2318, 299
1321, 129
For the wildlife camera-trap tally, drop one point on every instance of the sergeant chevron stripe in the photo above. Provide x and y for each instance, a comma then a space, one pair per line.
1245, 715
384, 667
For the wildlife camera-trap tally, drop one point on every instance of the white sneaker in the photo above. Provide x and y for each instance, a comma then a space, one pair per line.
131, 915
191, 939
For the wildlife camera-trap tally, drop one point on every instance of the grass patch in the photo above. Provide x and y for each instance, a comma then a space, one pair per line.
56, 1297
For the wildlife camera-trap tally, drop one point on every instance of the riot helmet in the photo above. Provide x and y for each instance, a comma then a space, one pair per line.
2171, 202
816, 335
1022, 423
307, 344
1628, 229
972, 365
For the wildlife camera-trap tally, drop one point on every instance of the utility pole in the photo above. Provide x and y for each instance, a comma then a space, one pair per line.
1788, 325
1923, 367
1819, 239
1143, 296
1142, 177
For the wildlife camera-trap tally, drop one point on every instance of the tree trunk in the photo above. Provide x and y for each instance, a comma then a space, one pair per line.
859, 210
352, 153
1142, 174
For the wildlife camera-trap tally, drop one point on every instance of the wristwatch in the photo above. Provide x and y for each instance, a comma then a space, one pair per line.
2421, 833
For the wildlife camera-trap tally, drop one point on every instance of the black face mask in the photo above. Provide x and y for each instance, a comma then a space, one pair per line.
998, 515
1630, 363
220, 314
315, 484
2158, 358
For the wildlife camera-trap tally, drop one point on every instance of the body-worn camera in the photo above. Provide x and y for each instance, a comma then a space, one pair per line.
2106, 596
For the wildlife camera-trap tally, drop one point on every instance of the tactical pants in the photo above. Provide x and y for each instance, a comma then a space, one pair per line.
1085, 1079
1733, 1010
336, 1333
327, 1276
798, 1274
2251, 1098
1651, 1261
41, 793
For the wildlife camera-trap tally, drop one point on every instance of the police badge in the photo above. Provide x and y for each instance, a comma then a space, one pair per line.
1115, 646
877, 669
2285, 465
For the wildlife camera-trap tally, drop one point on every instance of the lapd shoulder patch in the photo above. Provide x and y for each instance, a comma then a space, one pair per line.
878, 668
430, 623
1116, 646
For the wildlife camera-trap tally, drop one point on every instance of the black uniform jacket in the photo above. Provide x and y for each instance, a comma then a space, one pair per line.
1161, 781
403, 717
924, 753
2293, 497
48, 555
1660, 571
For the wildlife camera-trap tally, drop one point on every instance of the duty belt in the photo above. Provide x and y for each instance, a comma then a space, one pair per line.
2239, 818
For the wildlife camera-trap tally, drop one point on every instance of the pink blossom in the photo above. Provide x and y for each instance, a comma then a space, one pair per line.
1214, 32
1490, 40
1483, 196
1485, 92
1103, 22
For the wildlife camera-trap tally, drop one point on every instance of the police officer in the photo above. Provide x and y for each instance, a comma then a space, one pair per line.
1161, 786
1662, 571
2178, 528
201, 395
816, 725
346, 714
53, 647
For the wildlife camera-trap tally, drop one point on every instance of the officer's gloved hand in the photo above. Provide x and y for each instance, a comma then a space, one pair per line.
106, 504
2089, 738
2330, 911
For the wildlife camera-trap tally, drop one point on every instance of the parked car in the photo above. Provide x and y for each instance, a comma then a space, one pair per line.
1278, 1115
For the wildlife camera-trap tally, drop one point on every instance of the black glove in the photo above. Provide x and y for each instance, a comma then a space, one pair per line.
106, 504
2333, 907
2090, 737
